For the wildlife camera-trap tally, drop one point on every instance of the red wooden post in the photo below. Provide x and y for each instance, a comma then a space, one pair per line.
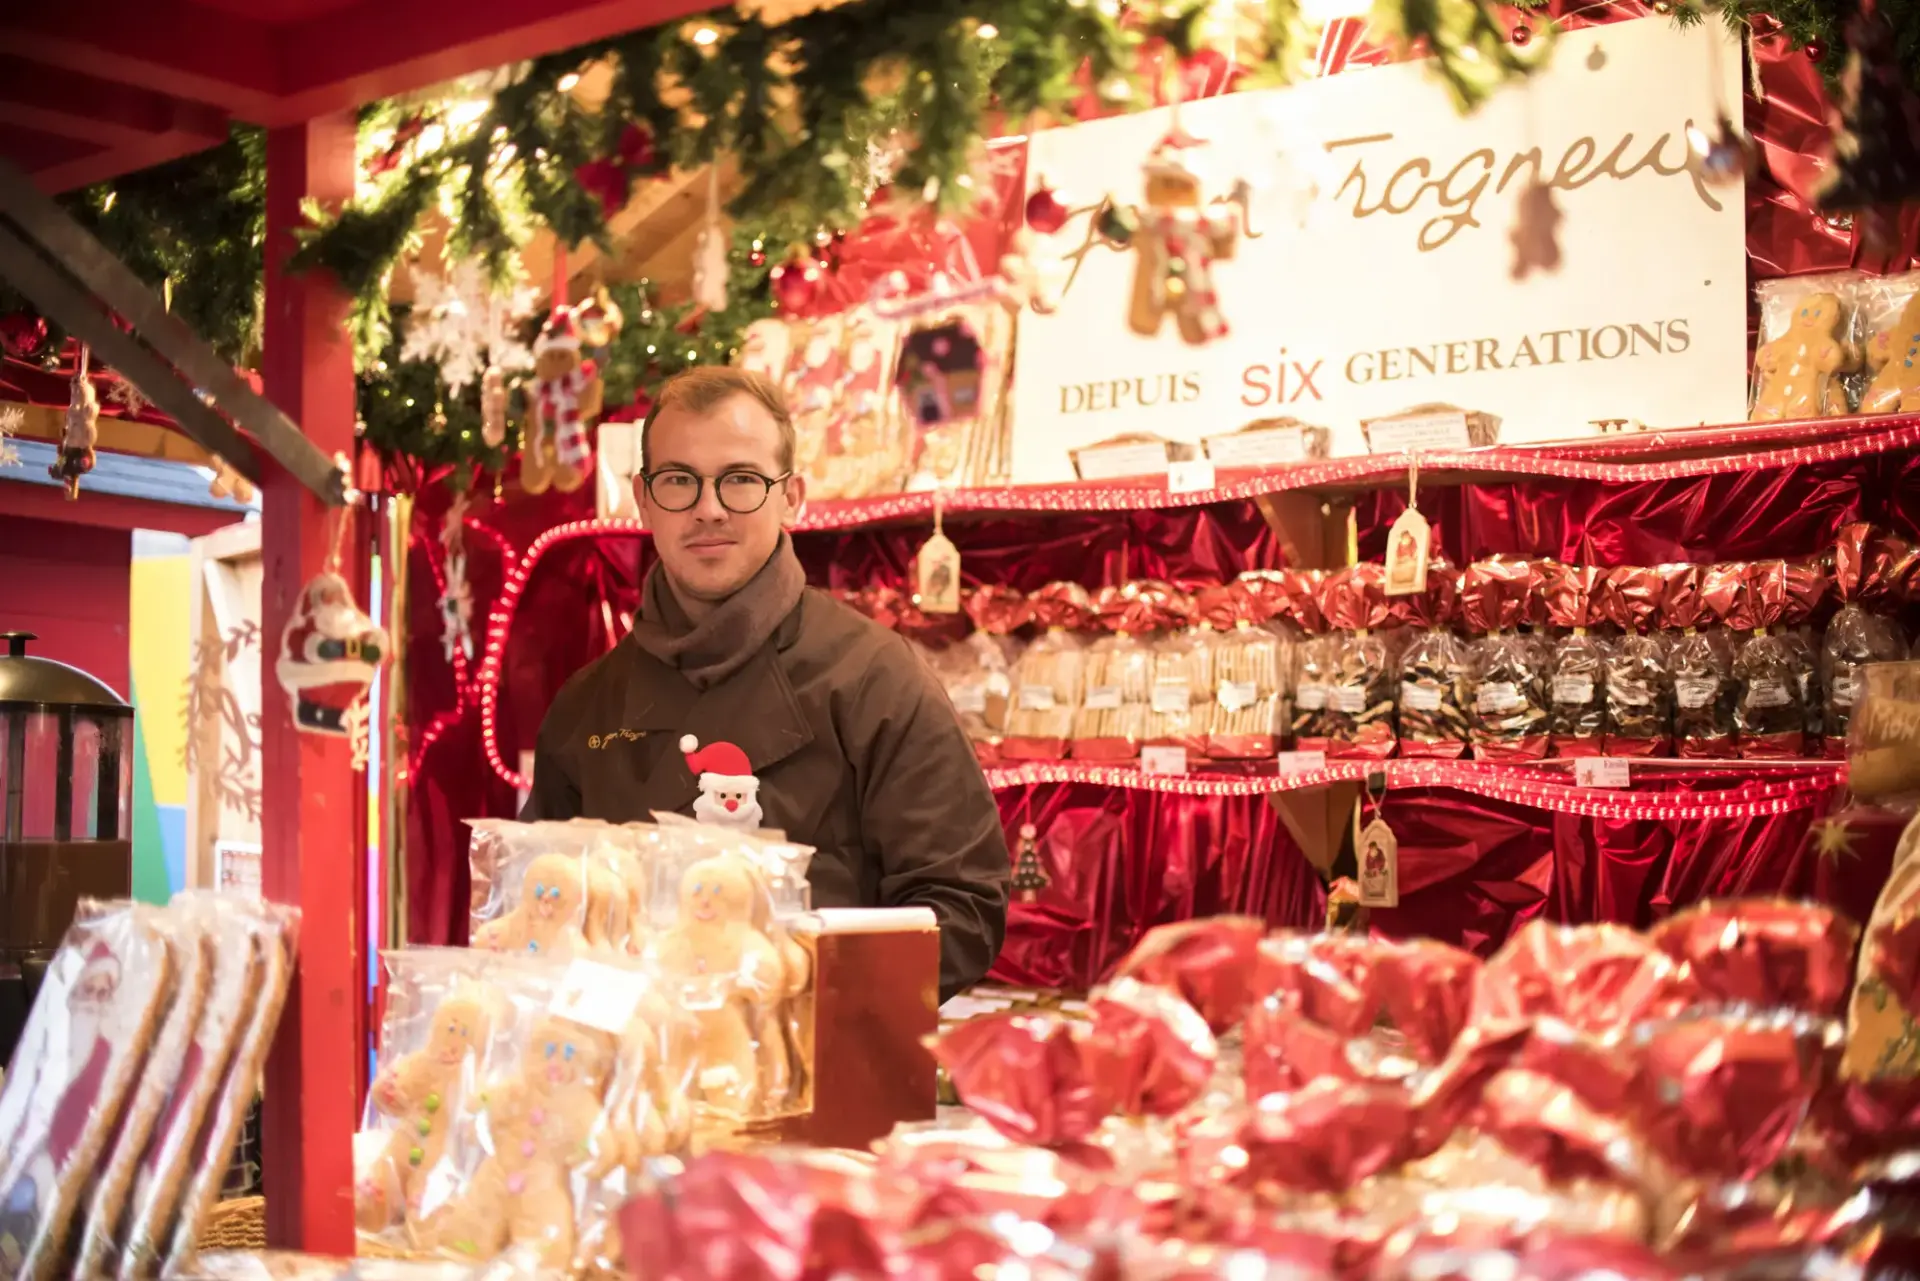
310, 847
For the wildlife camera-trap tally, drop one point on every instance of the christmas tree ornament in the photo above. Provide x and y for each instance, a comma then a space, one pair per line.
710, 252
1876, 140
599, 319
329, 653
493, 407
456, 597
228, 483
1723, 156
460, 323
437, 420
22, 335
566, 397
1030, 877
1536, 232
796, 284
80, 431
1116, 224
1046, 211
1178, 242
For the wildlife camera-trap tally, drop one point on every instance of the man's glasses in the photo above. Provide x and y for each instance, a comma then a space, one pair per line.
675, 489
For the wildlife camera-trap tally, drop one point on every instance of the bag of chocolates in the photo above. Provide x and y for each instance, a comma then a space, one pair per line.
1361, 686
1700, 656
1118, 679
1863, 564
1576, 673
1318, 661
1639, 675
1508, 716
1433, 670
1251, 656
1807, 584
1047, 679
1770, 712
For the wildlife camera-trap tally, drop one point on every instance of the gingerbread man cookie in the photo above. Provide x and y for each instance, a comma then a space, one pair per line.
1796, 369
548, 919
1894, 356
715, 944
417, 1091
541, 1121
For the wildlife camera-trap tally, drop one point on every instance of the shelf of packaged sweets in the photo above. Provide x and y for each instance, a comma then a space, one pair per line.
1765, 787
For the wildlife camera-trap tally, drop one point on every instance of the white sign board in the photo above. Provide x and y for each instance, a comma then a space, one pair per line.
1375, 269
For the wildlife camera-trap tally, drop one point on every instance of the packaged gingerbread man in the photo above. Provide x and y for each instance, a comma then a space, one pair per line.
1889, 313
550, 916
1807, 344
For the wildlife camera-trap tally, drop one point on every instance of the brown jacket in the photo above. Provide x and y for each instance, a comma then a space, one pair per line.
857, 750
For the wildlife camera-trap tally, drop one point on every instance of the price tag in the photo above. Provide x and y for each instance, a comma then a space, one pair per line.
1191, 476
1036, 698
1103, 698
1602, 771
1349, 699
970, 700
601, 996
1163, 760
1170, 698
1235, 695
1291, 763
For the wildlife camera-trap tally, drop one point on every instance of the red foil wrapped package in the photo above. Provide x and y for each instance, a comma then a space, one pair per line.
1722, 1095
1577, 674
1209, 963
1770, 712
1148, 1053
1522, 1256
1764, 953
1700, 655
1861, 632
1508, 714
998, 609
1434, 694
1361, 684
1049, 676
1863, 1120
1025, 1075
1807, 585
1639, 674
1597, 979
1326, 1137
1550, 1125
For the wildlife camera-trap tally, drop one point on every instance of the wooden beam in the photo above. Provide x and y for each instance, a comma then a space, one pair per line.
176, 47
103, 112
73, 310
116, 286
311, 849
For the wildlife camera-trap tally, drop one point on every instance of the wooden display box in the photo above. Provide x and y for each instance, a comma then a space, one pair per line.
876, 1001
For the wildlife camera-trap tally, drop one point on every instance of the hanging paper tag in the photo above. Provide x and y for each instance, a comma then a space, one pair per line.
1602, 771
1379, 858
1407, 543
1163, 760
939, 575
601, 996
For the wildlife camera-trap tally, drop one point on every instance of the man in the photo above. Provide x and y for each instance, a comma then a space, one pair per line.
742, 696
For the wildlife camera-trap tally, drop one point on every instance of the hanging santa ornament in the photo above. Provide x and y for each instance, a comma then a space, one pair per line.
557, 451
796, 284
710, 253
1047, 211
80, 431
329, 653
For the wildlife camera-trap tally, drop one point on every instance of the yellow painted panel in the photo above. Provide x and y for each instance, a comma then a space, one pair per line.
160, 633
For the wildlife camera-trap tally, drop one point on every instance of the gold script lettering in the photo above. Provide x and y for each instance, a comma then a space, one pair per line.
1457, 190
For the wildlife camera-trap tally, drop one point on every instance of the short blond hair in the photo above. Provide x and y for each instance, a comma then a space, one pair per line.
699, 389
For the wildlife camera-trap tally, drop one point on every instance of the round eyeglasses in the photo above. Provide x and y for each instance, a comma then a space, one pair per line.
675, 489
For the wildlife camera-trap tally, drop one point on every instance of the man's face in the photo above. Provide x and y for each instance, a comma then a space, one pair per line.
708, 551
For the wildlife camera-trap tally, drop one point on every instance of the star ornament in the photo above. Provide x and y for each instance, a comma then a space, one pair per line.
1833, 840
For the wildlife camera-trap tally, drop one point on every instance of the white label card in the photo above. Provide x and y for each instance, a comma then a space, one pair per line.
1602, 771
1263, 448
601, 996
1103, 698
1172, 697
1036, 698
1163, 760
1300, 762
1417, 432
1192, 476
1350, 700
970, 699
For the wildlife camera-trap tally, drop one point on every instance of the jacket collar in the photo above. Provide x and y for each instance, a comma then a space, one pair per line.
755, 709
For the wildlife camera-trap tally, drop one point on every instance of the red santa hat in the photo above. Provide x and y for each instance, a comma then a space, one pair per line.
101, 963
560, 333
720, 767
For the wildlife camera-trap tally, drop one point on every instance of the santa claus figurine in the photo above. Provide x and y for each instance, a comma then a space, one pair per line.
729, 793
328, 656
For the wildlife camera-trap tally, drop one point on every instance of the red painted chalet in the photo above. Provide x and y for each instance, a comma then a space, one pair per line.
92, 90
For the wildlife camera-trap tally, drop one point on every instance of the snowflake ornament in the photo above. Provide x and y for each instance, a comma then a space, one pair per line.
129, 397
464, 326
12, 419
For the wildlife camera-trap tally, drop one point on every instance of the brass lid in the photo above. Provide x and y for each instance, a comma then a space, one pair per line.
41, 682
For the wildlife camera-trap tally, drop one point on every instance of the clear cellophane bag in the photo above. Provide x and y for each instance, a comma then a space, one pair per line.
554, 889
1577, 670
1866, 566
1639, 665
1316, 659
1364, 679
1769, 708
1252, 656
1508, 714
1180, 699
1117, 678
1433, 670
1700, 653
1049, 676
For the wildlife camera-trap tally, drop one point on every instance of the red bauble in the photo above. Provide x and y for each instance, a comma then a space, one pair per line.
1522, 34
636, 148
1046, 211
22, 335
1816, 50
796, 283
